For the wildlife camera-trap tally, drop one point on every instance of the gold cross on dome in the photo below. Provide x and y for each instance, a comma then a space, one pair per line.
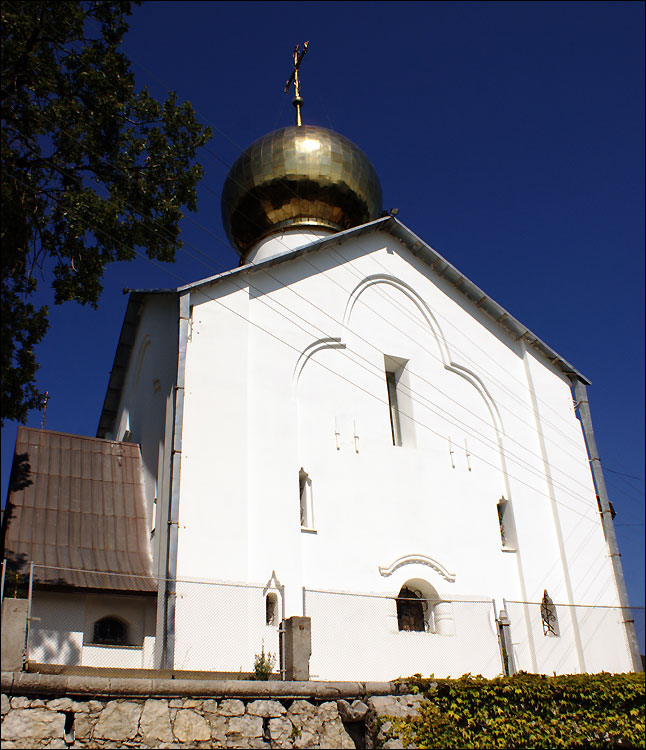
297, 101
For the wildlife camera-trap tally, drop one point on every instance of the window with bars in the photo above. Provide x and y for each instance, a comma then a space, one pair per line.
110, 631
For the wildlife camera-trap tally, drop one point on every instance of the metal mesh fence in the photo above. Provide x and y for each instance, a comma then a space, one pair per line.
81, 618
358, 637
217, 626
572, 638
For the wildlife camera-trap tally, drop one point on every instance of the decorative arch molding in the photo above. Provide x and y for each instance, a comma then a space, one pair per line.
477, 382
419, 560
412, 295
426, 313
310, 350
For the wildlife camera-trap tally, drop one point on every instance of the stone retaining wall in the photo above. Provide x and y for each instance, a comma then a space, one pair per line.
38, 718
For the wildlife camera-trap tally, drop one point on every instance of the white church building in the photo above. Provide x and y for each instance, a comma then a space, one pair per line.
343, 427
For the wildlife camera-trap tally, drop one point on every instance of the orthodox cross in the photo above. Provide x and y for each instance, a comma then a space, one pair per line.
297, 101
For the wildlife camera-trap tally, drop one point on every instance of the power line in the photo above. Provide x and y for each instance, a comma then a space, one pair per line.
417, 322
336, 373
623, 474
376, 372
511, 455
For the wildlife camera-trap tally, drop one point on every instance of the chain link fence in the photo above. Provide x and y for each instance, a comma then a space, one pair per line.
375, 637
82, 618
565, 638
217, 626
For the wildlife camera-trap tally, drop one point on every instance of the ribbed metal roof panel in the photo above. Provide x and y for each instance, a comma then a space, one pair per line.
78, 502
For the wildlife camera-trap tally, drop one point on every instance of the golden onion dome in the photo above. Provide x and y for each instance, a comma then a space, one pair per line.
299, 176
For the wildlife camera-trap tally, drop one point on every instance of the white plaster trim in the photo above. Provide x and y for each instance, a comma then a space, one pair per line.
312, 348
419, 560
477, 382
412, 295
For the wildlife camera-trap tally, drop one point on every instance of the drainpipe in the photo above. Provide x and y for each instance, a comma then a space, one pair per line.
170, 589
583, 407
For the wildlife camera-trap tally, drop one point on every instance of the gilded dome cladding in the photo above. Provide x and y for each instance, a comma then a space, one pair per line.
299, 176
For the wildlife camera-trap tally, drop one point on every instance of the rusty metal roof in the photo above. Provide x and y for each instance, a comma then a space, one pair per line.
76, 508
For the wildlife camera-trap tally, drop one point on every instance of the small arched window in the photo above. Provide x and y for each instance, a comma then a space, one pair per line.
549, 617
110, 631
306, 503
410, 610
271, 609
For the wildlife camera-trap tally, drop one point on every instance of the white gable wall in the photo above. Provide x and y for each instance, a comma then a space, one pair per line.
147, 395
259, 407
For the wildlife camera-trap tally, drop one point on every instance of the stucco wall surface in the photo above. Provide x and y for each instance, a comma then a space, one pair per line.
285, 371
62, 630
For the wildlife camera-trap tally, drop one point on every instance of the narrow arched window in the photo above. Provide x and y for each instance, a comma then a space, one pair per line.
271, 609
110, 631
549, 617
410, 610
306, 503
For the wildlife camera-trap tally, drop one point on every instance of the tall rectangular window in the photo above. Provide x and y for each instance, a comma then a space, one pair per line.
507, 525
306, 505
395, 424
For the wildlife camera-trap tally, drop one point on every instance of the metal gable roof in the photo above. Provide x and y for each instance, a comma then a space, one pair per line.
76, 508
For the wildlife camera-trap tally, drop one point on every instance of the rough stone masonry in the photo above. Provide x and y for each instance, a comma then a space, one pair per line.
137, 721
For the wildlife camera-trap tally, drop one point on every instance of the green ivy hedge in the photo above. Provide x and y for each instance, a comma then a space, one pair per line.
527, 710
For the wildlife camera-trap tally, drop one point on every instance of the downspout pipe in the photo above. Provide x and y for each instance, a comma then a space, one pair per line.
583, 407
176, 466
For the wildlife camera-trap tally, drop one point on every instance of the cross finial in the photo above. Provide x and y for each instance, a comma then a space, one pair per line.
297, 101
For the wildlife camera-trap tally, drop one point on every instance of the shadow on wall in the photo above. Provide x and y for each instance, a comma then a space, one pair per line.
54, 647
18, 480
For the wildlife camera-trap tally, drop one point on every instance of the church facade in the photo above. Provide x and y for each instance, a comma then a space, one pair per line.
346, 427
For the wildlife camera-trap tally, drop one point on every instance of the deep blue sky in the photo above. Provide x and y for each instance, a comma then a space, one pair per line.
509, 135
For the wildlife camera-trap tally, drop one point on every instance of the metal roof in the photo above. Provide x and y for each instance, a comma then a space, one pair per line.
76, 508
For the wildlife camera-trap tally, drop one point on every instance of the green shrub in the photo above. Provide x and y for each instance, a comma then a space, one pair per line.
263, 664
527, 711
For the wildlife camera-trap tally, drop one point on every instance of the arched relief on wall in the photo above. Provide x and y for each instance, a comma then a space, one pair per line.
419, 560
311, 349
477, 383
412, 295
449, 364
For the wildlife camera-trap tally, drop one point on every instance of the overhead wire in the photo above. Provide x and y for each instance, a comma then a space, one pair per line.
415, 320
334, 372
292, 312
228, 165
378, 373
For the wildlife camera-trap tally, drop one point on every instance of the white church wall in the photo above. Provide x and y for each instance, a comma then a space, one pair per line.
382, 486
147, 386
213, 531
62, 630
311, 394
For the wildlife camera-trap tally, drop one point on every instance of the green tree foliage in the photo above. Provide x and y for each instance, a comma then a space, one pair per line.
527, 711
91, 169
